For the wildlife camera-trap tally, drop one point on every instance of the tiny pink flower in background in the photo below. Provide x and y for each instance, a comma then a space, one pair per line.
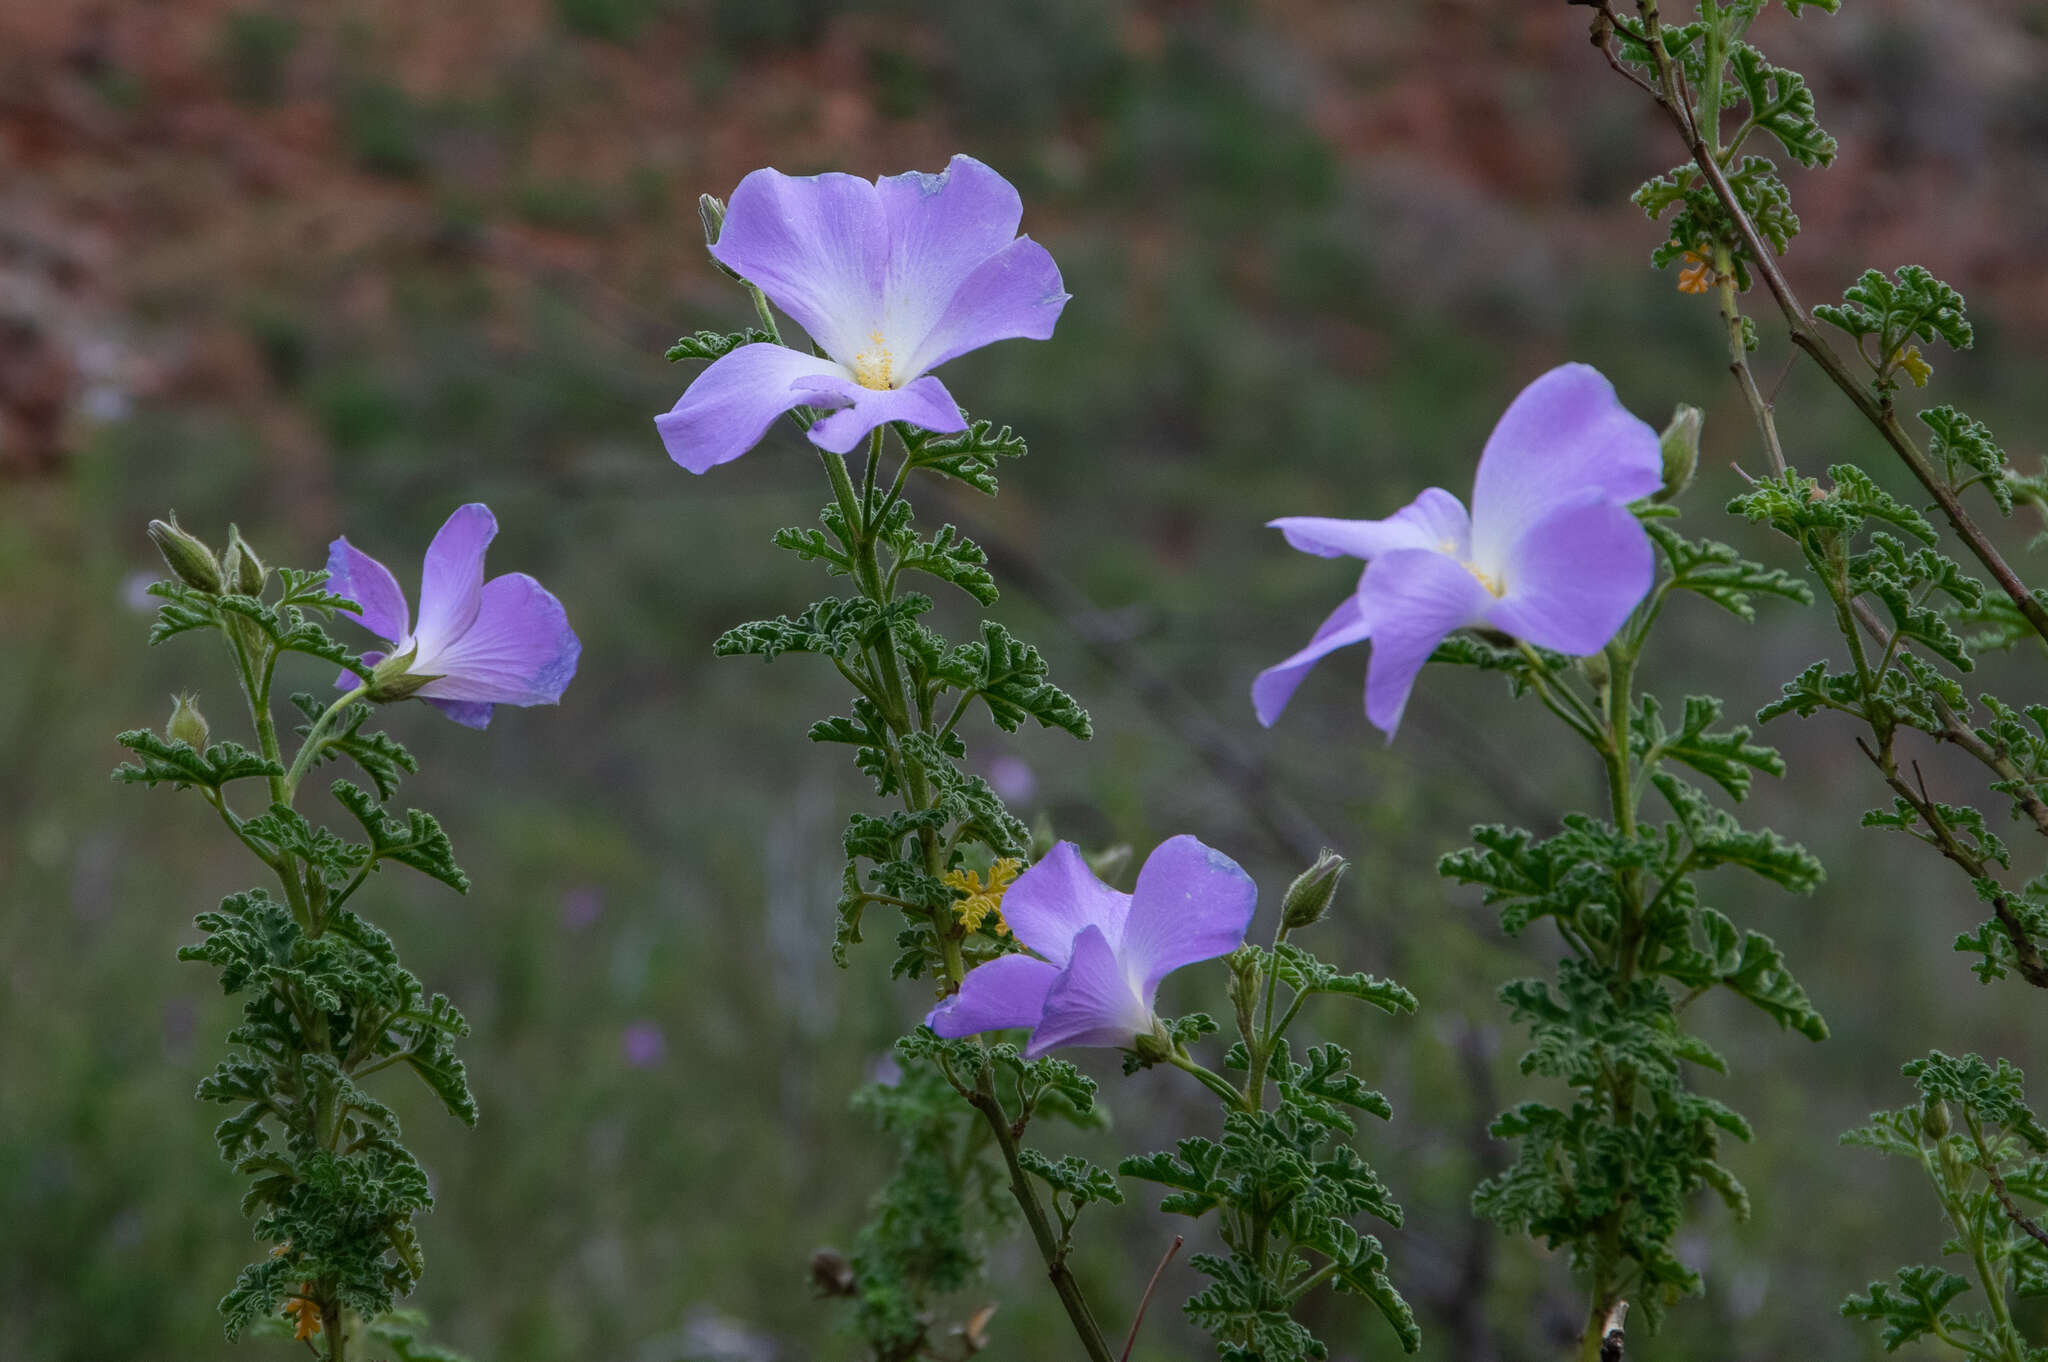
643, 1045
890, 278
1550, 553
1101, 954
502, 642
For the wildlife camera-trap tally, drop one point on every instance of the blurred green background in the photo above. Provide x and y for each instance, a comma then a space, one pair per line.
327, 267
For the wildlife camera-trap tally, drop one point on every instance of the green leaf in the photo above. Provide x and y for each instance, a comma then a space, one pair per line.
418, 842
833, 627
164, 760
1916, 1306
1304, 973
382, 758
1079, 1180
1911, 304
951, 557
716, 345
867, 732
1009, 677
1728, 758
1722, 575
969, 456
184, 609
1968, 454
1781, 105
1994, 1094
1717, 839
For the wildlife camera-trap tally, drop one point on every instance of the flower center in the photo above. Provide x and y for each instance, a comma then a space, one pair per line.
872, 366
1492, 585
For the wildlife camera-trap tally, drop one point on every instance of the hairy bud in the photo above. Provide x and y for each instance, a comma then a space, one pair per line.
240, 568
1934, 1118
1151, 1047
711, 210
392, 679
187, 725
1681, 445
1308, 898
189, 560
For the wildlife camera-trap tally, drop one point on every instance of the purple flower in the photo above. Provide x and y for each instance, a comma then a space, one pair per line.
1550, 553
1101, 953
478, 643
891, 279
643, 1044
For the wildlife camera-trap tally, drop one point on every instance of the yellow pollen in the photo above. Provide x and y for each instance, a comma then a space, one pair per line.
1492, 586
872, 366
982, 899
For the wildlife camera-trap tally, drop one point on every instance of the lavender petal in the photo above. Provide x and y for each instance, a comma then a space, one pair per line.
1192, 903
1275, 686
1016, 294
1057, 899
1572, 579
451, 583
1006, 992
925, 404
468, 713
1092, 1002
1413, 599
1434, 520
519, 651
818, 246
733, 402
367, 582
1565, 434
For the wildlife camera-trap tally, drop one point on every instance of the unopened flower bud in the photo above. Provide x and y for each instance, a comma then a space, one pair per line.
1681, 445
711, 209
187, 725
1308, 898
189, 560
392, 678
1934, 1117
240, 568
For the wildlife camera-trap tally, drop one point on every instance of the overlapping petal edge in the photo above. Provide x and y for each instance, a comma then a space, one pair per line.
890, 278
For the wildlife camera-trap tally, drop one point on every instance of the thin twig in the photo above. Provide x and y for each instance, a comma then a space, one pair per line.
1146, 1299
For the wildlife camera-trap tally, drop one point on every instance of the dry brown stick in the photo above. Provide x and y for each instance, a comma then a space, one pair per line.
1145, 1301
1610, 1335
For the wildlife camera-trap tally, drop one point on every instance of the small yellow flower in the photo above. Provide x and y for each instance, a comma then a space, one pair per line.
1695, 273
1916, 366
980, 900
305, 1312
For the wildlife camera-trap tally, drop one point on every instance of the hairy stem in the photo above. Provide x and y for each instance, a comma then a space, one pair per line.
1806, 334
991, 1108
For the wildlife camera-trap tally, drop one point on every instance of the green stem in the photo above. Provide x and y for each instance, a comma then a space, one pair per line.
316, 741
1179, 1058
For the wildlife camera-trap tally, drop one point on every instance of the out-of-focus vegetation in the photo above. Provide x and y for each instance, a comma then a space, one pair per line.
317, 268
